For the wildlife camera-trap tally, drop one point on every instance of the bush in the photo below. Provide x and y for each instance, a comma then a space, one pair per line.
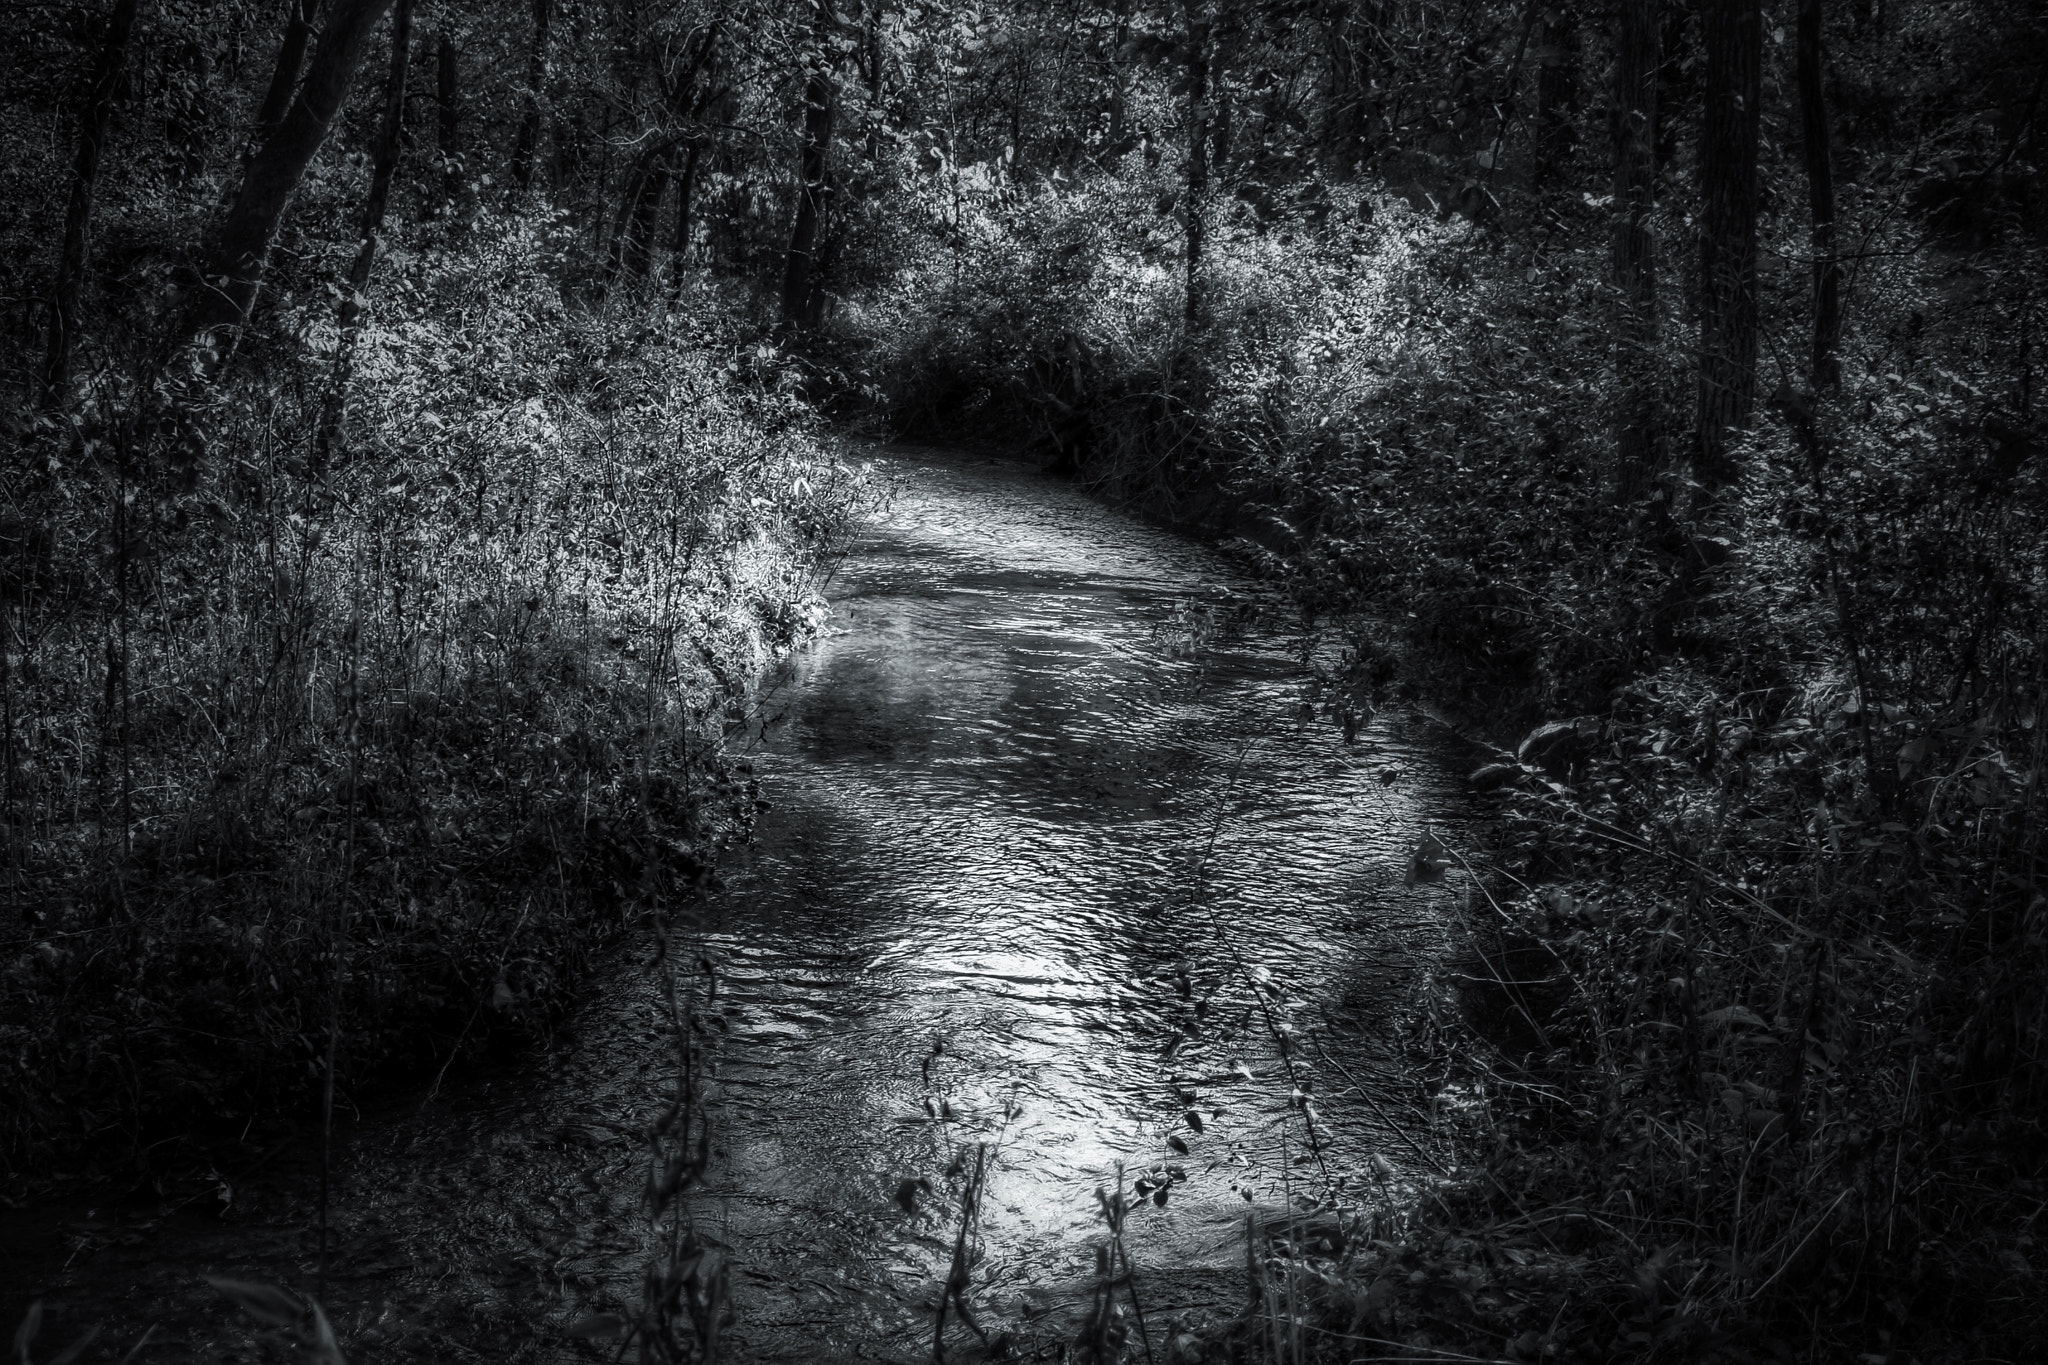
399, 729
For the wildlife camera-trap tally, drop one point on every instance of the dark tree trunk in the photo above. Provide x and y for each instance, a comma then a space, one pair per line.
95, 115
240, 247
1119, 96
1343, 131
1635, 260
384, 165
799, 285
1557, 89
527, 147
448, 107
1220, 135
1733, 37
686, 190
1820, 184
873, 45
291, 55
629, 204
639, 254
1198, 162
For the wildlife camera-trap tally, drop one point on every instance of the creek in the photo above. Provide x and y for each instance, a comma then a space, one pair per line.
1059, 851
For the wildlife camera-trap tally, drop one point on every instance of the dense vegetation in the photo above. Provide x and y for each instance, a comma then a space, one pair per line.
405, 482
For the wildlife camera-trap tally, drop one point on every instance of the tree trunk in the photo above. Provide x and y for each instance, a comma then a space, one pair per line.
679, 251
94, 116
623, 218
873, 45
1119, 89
1198, 162
528, 146
799, 286
1635, 260
240, 247
1820, 183
1733, 36
1343, 130
291, 55
448, 106
384, 165
1557, 89
639, 253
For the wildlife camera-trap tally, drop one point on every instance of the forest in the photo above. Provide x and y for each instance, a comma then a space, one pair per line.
428, 421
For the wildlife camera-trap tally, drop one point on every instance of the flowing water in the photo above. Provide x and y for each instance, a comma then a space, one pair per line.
1058, 852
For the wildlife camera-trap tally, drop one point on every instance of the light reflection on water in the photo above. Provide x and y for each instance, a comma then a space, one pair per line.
991, 786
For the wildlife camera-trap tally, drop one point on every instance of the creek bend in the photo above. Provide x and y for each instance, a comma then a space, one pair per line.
1044, 801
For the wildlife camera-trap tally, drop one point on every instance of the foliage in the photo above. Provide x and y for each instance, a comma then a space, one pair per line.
399, 731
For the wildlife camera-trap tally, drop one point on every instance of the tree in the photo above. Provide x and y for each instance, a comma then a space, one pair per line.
1732, 32
234, 265
800, 301
1635, 264
1557, 87
291, 55
528, 145
95, 113
448, 108
1820, 184
1198, 156
383, 166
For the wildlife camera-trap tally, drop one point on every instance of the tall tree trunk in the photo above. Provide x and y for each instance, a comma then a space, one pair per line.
679, 251
1820, 184
240, 247
873, 44
528, 146
1119, 93
1733, 37
639, 253
1635, 259
95, 114
799, 285
1557, 88
448, 107
623, 217
1198, 161
383, 166
291, 55
1343, 130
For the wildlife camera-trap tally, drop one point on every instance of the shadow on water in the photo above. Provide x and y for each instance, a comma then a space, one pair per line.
1032, 838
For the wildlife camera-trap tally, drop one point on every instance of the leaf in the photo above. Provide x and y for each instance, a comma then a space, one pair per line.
325, 1349
598, 1327
31, 1323
1731, 1015
264, 1302
1194, 1120
1178, 1144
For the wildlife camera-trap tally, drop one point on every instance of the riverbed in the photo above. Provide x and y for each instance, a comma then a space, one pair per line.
1067, 873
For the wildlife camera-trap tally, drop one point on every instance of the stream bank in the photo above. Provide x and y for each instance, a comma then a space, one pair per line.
1057, 854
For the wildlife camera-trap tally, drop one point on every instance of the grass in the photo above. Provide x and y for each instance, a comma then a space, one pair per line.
376, 748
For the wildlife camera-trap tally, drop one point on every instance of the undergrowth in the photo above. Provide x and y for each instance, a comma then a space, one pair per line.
377, 740
1743, 1060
